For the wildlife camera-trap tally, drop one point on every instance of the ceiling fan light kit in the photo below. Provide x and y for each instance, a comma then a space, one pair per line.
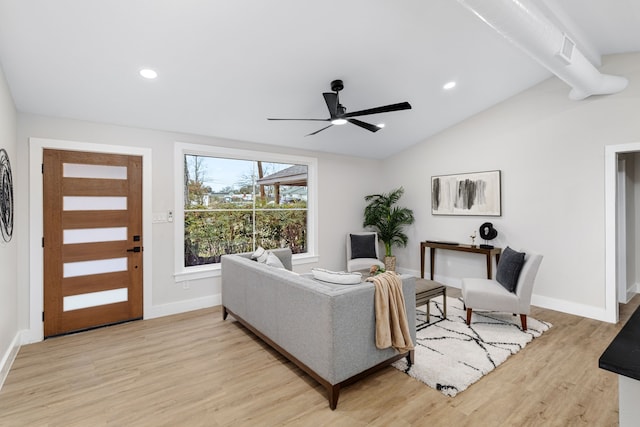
338, 113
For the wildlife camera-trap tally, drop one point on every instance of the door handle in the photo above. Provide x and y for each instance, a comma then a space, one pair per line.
134, 249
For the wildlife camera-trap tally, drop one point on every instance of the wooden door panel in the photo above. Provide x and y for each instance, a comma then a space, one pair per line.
86, 318
94, 251
91, 293
88, 219
93, 283
86, 158
91, 187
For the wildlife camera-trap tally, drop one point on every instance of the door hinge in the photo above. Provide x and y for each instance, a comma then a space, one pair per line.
42, 168
43, 242
43, 316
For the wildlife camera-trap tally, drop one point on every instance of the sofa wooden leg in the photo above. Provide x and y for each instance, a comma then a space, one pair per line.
523, 320
469, 310
334, 393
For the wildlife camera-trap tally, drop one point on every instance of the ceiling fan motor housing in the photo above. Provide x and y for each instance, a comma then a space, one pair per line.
337, 85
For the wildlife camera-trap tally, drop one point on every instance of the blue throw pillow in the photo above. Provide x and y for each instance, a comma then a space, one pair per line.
509, 268
363, 246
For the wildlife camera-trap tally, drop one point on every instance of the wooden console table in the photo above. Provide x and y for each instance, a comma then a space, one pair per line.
456, 247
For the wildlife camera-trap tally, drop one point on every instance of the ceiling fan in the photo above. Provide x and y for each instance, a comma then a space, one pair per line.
338, 114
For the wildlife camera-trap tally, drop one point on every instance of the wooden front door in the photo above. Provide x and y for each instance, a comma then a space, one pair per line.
92, 240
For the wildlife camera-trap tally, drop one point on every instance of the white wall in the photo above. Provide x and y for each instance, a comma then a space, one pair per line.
343, 183
550, 151
8, 250
551, 154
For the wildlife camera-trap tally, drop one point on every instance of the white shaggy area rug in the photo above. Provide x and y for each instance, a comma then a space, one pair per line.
450, 356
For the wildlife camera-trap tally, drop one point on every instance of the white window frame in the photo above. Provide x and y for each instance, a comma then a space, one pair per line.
183, 273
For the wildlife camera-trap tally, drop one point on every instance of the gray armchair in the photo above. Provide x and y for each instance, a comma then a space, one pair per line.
490, 295
362, 251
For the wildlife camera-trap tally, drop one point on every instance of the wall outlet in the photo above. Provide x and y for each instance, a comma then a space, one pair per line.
170, 216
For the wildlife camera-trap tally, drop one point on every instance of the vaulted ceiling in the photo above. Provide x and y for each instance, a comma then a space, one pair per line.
225, 66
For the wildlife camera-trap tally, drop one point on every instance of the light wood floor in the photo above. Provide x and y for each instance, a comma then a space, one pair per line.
193, 369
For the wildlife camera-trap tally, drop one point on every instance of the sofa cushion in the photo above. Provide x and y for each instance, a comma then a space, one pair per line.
363, 246
509, 268
338, 277
260, 255
273, 260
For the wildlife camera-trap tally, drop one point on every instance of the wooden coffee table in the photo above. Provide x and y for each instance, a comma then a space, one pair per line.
427, 289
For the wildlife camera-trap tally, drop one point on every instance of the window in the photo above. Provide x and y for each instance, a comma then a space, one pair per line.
234, 201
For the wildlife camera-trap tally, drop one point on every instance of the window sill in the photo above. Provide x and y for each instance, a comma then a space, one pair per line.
205, 272
304, 259
195, 273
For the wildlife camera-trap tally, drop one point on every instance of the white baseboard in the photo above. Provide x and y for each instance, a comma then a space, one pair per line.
569, 307
29, 336
564, 306
8, 358
183, 306
632, 291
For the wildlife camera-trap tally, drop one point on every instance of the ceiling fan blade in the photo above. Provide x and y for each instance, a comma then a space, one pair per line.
320, 130
364, 125
332, 102
383, 109
307, 120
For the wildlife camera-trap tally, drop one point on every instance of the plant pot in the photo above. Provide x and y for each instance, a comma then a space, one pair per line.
390, 263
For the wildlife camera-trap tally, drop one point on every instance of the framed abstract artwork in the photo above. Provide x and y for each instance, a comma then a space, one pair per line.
476, 193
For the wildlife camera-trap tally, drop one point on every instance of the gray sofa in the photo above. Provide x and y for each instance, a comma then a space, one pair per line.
327, 330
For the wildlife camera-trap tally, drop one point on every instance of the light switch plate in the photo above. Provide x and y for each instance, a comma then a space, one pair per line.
160, 217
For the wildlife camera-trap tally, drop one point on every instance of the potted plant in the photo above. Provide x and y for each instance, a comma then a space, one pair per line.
388, 220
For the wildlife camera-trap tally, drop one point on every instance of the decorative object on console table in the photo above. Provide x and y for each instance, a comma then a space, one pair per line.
388, 220
487, 232
466, 194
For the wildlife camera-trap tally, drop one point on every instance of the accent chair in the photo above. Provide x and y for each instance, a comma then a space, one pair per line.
492, 295
362, 251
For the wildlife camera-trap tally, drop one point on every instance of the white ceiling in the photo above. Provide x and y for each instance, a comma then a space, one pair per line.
225, 66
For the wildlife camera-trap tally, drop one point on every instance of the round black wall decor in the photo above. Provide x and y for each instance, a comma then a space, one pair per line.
6, 196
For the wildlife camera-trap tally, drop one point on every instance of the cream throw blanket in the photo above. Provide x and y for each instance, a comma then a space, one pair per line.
392, 328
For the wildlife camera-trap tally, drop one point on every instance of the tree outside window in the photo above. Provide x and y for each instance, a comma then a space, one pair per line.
235, 205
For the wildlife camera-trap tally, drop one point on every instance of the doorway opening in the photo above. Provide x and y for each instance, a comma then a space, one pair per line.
622, 177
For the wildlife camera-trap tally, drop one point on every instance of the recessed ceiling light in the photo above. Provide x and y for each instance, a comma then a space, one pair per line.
148, 73
449, 85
